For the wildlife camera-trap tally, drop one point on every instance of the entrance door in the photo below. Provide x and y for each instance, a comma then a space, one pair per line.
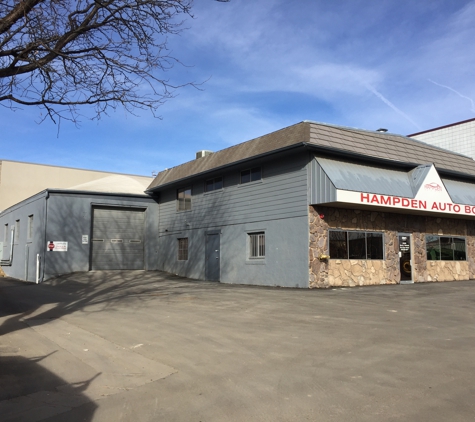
405, 258
212, 257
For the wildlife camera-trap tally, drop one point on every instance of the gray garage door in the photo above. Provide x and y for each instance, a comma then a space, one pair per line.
117, 239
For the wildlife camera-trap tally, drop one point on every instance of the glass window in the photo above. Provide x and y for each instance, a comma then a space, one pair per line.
183, 249
214, 184
209, 185
17, 231
251, 175
338, 245
245, 176
257, 245
460, 253
255, 174
183, 199
445, 248
433, 248
5, 234
446, 251
30, 226
374, 245
218, 183
356, 245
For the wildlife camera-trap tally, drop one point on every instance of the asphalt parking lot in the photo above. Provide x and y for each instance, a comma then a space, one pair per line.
148, 346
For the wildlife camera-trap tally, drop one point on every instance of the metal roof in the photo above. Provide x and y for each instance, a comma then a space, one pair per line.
356, 177
341, 140
460, 192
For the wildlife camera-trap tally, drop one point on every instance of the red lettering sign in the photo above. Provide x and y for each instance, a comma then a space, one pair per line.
397, 201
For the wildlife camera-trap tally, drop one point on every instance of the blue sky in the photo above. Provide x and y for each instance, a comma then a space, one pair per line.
403, 65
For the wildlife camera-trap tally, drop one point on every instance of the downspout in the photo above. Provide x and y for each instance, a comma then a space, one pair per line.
38, 266
44, 240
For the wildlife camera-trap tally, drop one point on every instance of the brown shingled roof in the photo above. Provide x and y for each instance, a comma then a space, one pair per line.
377, 145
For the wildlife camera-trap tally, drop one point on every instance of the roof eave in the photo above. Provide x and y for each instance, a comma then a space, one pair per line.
225, 166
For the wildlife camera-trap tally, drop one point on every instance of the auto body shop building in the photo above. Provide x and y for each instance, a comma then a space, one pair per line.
314, 205
311, 205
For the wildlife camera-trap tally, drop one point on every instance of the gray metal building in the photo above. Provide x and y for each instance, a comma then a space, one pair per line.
62, 231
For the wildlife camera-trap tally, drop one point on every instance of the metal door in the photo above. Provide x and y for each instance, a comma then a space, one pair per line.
405, 266
118, 239
212, 257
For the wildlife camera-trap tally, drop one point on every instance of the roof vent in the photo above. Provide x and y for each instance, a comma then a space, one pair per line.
203, 153
382, 129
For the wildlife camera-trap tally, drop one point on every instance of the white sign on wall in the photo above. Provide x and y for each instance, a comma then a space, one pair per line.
57, 246
85, 239
432, 196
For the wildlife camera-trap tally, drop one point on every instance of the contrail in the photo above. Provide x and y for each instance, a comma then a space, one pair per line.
389, 103
458, 93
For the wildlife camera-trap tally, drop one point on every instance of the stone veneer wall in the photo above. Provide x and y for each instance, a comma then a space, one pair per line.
349, 272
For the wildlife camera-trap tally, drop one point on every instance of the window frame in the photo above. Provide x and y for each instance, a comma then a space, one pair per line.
437, 252
29, 232
250, 170
356, 234
256, 251
213, 181
182, 248
17, 232
181, 202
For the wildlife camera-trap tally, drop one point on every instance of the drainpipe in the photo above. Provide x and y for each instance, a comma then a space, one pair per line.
42, 269
38, 262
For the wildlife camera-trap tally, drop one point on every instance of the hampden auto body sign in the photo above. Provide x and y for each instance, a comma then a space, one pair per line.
432, 196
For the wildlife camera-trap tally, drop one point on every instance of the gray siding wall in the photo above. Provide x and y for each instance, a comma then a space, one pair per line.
26, 247
322, 190
277, 204
68, 218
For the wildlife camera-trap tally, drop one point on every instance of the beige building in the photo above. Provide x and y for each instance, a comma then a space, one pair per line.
19, 180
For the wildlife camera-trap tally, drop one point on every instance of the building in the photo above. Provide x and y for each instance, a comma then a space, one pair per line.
314, 205
458, 137
310, 205
106, 224
19, 181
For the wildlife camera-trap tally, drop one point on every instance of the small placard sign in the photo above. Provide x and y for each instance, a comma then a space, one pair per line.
57, 246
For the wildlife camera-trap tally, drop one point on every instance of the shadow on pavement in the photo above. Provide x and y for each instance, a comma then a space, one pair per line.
34, 393
98, 291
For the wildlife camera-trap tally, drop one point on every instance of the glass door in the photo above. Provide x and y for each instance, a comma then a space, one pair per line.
405, 266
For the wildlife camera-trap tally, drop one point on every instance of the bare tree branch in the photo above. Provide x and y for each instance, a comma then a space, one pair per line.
61, 55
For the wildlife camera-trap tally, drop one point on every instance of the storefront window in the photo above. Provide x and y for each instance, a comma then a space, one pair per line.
460, 253
374, 245
356, 245
433, 248
445, 248
446, 251
338, 245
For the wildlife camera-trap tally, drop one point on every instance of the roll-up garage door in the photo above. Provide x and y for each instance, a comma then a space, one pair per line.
118, 239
